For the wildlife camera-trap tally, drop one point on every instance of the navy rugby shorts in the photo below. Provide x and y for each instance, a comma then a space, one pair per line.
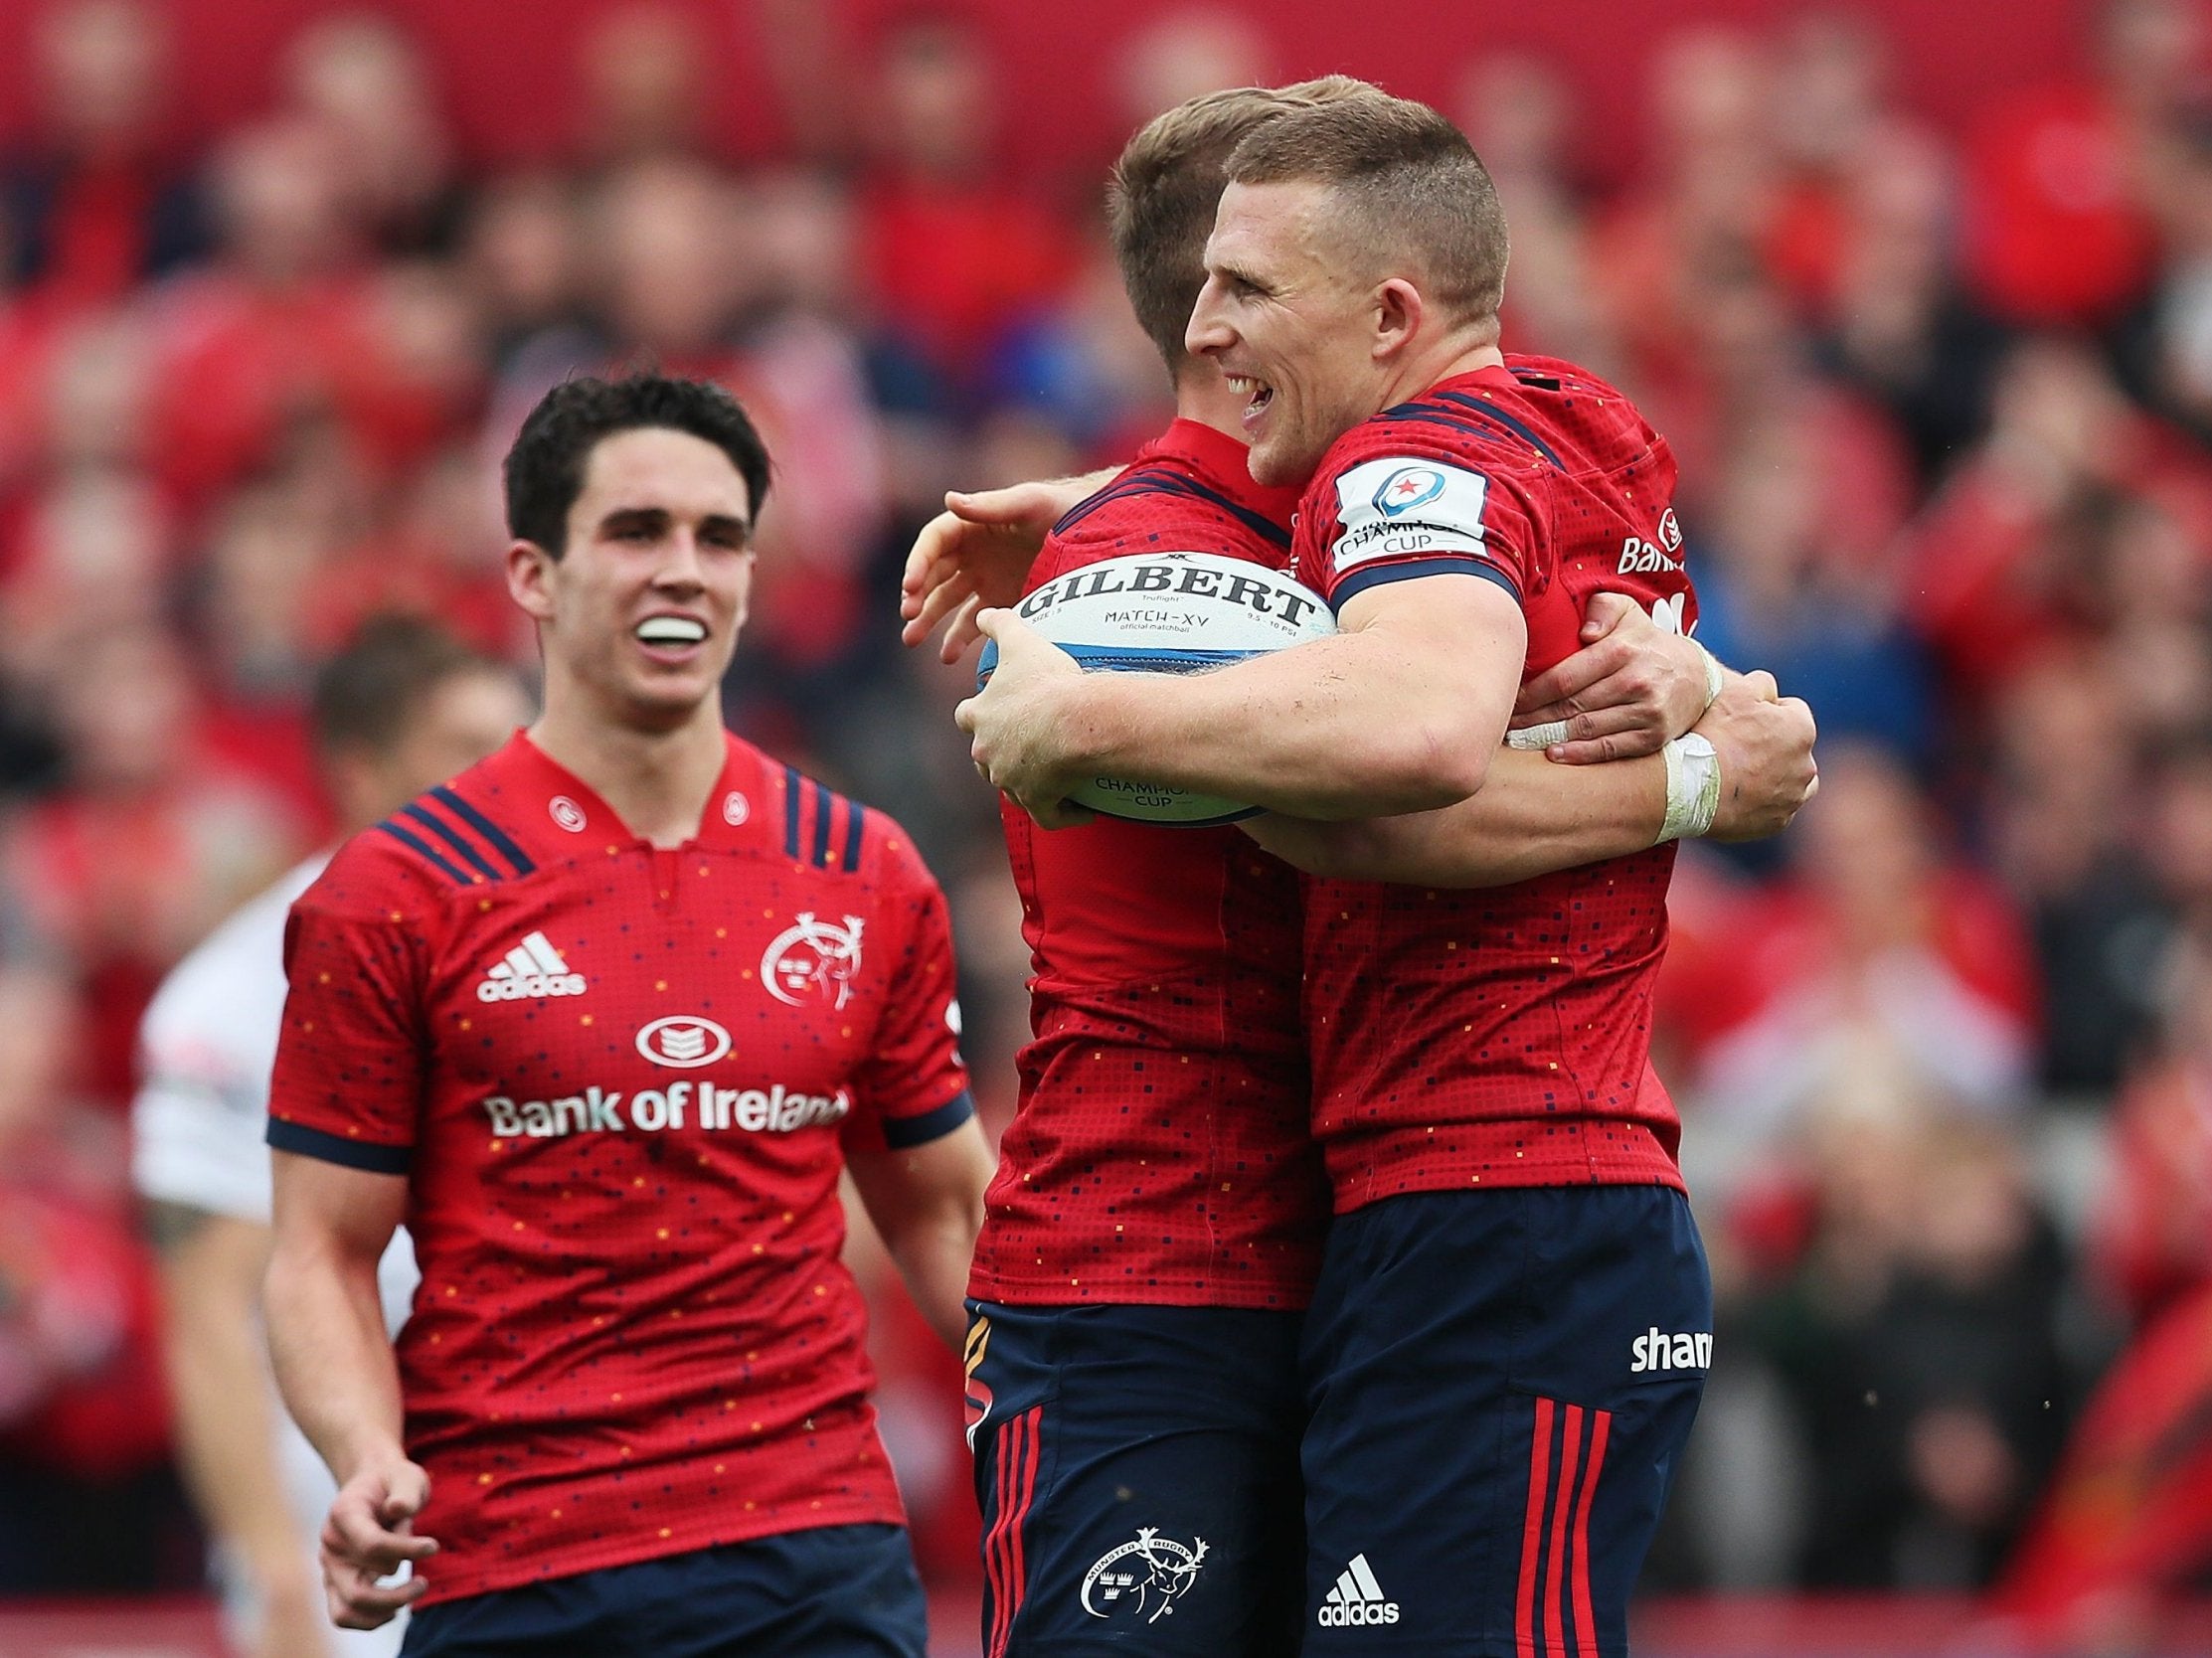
1500, 1384
833, 1591
1139, 1472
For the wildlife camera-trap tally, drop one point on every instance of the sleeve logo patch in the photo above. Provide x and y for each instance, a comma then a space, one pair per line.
1407, 488
1404, 508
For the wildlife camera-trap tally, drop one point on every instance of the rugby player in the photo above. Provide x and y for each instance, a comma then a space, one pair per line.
603, 1018
1156, 1223
401, 708
1512, 1322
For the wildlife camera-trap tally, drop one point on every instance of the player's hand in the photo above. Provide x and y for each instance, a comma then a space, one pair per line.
1765, 743
368, 1535
975, 556
1017, 720
1631, 689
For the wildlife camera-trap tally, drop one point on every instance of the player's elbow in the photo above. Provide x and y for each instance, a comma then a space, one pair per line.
1422, 764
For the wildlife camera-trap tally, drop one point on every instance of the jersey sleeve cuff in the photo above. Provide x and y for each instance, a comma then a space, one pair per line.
366, 1155
904, 1134
1375, 575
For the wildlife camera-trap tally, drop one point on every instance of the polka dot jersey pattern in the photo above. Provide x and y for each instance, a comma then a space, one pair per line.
1501, 1038
1160, 1153
634, 1336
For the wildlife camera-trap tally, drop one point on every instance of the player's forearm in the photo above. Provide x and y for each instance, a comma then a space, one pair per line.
1532, 817
933, 1254
225, 1419
1338, 728
334, 1360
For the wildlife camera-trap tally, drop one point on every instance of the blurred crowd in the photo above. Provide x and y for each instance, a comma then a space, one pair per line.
1942, 401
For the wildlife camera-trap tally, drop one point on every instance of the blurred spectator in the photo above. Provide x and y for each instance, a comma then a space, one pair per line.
148, 843
365, 84
1884, 943
1917, 1336
2060, 232
87, 1502
952, 254
94, 204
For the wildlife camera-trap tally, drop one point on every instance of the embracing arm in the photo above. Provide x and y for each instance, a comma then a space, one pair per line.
1399, 712
927, 1202
335, 1365
1535, 817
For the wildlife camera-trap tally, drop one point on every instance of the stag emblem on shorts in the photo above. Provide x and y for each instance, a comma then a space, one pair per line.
813, 958
1144, 1578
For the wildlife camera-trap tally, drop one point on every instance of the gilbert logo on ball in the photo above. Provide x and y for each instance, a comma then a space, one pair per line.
1167, 613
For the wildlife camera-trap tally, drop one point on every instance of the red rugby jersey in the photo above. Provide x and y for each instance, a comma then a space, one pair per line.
1159, 1153
1500, 1038
620, 1080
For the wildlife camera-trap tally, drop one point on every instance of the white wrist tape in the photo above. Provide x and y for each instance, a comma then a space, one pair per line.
1716, 677
1693, 788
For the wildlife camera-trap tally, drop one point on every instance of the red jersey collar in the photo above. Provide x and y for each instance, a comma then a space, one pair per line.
556, 814
1220, 461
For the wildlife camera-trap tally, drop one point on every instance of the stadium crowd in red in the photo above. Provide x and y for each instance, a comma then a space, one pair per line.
1942, 402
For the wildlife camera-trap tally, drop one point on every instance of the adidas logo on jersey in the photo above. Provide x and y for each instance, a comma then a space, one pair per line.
532, 968
1357, 1599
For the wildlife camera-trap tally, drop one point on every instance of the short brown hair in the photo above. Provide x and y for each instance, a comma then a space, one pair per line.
367, 696
1161, 195
1408, 179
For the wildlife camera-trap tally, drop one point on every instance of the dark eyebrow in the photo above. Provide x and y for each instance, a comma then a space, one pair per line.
655, 521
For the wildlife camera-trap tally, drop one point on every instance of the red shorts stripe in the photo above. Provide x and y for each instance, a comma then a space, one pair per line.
1018, 1573
1554, 1604
1016, 1485
1532, 1534
994, 1540
1586, 1625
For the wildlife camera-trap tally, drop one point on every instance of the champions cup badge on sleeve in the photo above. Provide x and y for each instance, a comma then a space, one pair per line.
813, 958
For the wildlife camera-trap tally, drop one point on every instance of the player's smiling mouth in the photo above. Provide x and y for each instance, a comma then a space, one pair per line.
1258, 396
670, 632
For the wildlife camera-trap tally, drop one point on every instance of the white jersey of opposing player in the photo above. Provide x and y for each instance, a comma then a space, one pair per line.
205, 1051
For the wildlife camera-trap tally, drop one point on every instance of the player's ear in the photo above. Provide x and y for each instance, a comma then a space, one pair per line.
743, 606
529, 578
1399, 309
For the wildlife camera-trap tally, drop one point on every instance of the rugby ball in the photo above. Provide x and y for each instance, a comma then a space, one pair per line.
1167, 613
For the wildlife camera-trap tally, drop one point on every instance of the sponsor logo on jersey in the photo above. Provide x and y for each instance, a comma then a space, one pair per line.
736, 808
1408, 488
773, 1110
1659, 1349
813, 958
1640, 557
533, 969
683, 1041
1142, 1579
1670, 531
1667, 612
566, 814
1356, 1600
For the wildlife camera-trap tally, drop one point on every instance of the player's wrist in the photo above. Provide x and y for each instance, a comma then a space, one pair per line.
1716, 676
1693, 788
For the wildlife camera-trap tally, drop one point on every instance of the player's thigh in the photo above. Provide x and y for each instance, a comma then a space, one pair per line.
832, 1592
1137, 1468
1485, 1464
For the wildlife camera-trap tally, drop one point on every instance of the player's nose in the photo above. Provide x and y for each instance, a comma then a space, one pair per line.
680, 563
1208, 330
